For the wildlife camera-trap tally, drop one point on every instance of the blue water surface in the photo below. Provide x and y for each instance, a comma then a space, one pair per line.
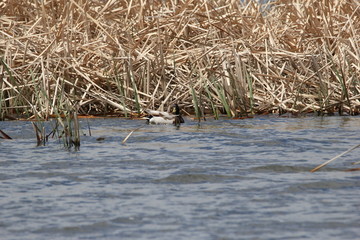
220, 179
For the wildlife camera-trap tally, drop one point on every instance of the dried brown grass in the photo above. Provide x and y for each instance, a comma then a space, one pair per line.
121, 56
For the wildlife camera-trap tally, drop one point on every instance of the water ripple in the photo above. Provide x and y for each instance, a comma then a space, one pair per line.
225, 179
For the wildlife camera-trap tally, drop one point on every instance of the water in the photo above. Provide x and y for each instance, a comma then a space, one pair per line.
227, 179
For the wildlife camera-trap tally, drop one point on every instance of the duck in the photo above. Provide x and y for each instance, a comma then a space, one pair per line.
159, 117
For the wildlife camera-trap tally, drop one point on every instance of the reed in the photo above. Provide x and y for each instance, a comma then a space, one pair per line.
40, 133
68, 127
120, 57
121, 91
213, 106
196, 105
221, 94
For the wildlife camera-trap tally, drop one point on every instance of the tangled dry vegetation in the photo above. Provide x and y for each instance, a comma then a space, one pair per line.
104, 57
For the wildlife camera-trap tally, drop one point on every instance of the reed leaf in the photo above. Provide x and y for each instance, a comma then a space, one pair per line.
213, 107
221, 94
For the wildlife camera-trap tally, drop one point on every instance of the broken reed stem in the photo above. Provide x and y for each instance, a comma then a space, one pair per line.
333, 159
127, 137
4, 135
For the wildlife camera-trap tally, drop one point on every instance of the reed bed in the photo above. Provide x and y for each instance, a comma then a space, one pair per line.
232, 57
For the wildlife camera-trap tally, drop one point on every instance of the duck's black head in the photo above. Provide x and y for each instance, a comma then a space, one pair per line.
176, 109
148, 117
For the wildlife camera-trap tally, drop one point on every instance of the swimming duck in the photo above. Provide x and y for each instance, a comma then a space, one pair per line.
158, 117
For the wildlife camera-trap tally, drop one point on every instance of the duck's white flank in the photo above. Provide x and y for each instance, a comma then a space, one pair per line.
158, 117
165, 115
160, 120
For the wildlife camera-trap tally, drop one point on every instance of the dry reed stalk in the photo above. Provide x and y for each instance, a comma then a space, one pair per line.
331, 160
127, 136
297, 56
